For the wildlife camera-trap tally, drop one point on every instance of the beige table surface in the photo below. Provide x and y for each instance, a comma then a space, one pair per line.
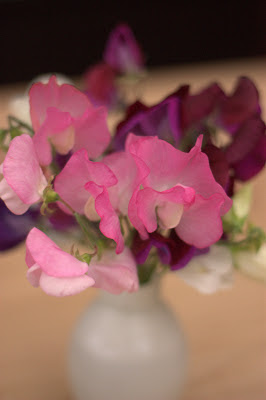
226, 332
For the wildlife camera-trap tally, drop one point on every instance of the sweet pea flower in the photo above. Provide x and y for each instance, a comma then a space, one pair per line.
177, 190
55, 271
171, 250
115, 273
60, 274
122, 51
64, 117
209, 272
233, 110
23, 180
84, 184
100, 85
171, 117
161, 120
246, 154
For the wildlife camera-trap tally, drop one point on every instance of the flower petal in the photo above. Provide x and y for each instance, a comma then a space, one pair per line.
79, 170
110, 224
60, 287
201, 224
50, 258
21, 170
115, 273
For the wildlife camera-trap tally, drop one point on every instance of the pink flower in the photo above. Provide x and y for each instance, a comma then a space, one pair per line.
115, 273
64, 117
60, 274
55, 271
177, 190
100, 85
83, 185
23, 181
122, 51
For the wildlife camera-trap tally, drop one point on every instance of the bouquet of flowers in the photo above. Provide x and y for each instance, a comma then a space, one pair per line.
158, 193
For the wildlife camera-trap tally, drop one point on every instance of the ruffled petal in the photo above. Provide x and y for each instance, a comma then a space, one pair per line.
110, 224
201, 224
79, 170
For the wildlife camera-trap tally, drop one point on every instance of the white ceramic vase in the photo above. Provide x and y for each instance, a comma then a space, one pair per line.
128, 347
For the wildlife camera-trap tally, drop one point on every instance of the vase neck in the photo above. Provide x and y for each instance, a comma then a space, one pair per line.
147, 296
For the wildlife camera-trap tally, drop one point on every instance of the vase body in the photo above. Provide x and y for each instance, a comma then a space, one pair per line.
128, 347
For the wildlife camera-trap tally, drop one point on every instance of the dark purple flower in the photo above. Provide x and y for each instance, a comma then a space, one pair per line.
99, 82
15, 228
122, 51
246, 154
218, 164
161, 120
197, 107
241, 105
172, 251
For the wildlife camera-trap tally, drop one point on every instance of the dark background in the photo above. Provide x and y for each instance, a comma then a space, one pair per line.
55, 36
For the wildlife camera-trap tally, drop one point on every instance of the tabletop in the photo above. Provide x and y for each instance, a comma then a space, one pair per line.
226, 332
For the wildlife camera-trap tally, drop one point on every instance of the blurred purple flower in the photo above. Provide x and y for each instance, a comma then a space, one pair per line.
59, 220
15, 228
242, 104
122, 51
172, 251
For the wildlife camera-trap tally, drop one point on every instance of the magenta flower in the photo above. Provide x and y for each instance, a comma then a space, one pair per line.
177, 190
60, 274
241, 105
100, 85
122, 51
23, 181
55, 271
64, 117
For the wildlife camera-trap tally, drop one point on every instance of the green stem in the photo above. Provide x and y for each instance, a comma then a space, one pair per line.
12, 119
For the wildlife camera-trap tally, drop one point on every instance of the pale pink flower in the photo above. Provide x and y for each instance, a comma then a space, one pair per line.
55, 271
177, 190
115, 273
64, 117
23, 181
60, 274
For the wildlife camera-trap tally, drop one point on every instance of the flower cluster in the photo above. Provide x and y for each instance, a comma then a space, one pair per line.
157, 195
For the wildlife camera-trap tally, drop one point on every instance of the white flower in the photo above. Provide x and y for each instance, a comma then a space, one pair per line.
209, 272
251, 263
